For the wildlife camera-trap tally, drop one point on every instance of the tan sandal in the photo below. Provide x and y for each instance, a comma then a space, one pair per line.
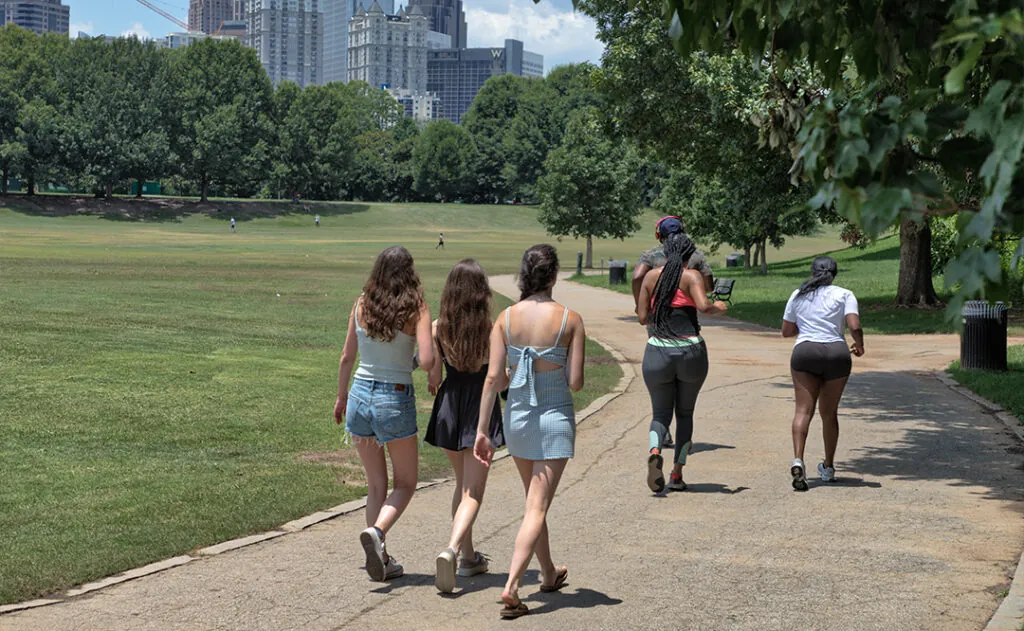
511, 613
560, 580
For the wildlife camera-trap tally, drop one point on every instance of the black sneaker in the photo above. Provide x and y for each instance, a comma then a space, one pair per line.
655, 478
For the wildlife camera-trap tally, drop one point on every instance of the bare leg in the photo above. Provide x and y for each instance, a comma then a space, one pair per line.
455, 458
372, 455
474, 481
828, 407
540, 477
806, 386
404, 464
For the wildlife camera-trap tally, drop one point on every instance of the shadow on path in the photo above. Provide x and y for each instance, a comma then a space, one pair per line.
582, 598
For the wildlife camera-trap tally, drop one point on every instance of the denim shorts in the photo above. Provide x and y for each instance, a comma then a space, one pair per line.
385, 411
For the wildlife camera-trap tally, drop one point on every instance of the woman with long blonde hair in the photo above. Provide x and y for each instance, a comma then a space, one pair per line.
389, 323
462, 341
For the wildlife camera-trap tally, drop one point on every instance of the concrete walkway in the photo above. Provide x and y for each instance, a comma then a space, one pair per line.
921, 531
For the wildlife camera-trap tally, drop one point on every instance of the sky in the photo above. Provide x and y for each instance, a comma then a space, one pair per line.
550, 28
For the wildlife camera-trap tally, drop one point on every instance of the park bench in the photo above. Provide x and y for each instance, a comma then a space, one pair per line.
723, 290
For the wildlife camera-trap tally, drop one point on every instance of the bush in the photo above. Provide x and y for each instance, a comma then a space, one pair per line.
944, 245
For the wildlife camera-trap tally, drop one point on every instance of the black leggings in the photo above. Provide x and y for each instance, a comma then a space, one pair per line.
674, 376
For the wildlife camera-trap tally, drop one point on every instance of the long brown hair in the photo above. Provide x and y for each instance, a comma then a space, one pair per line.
392, 295
464, 323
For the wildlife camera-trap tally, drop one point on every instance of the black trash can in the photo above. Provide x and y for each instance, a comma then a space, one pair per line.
734, 260
616, 272
983, 339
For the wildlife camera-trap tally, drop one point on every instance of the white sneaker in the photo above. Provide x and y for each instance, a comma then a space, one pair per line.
471, 568
373, 546
444, 579
392, 569
828, 474
799, 477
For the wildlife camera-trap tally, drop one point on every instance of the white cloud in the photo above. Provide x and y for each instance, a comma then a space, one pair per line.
136, 30
562, 36
81, 27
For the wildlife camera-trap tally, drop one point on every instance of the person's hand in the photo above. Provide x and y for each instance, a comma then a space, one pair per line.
857, 349
721, 306
433, 386
340, 407
483, 450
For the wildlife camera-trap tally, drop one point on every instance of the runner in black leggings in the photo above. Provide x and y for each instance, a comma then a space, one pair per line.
676, 358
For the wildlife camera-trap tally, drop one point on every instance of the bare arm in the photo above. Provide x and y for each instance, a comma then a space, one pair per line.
639, 273
709, 283
348, 362
693, 284
789, 329
425, 338
643, 305
853, 322
495, 382
435, 375
577, 353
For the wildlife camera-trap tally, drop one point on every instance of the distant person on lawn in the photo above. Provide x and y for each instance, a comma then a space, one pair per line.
543, 343
389, 323
232, 224
440, 241
317, 220
655, 258
820, 364
462, 335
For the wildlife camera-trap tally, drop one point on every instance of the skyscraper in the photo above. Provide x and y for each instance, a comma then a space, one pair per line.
337, 14
388, 51
446, 16
457, 75
41, 16
208, 15
288, 38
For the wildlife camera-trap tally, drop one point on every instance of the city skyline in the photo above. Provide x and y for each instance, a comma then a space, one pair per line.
550, 28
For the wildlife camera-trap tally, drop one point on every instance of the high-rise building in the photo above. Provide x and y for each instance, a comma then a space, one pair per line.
208, 15
422, 107
438, 41
446, 16
389, 51
41, 16
288, 38
457, 75
337, 15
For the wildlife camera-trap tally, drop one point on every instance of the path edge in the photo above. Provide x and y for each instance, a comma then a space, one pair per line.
302, 523
1009, 616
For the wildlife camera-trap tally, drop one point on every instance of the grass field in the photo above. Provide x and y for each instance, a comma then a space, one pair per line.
1002, 387
871, 273
165, 385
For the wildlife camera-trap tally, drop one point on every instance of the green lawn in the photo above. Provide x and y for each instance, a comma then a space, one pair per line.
166, 384
1002, 387
871, 274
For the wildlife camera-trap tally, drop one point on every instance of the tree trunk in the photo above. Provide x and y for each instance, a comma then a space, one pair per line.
31, 186
746, 256
138, 193
764, 257
757, 256
3, 180
202, 188
590, 253
108, 190
915, 284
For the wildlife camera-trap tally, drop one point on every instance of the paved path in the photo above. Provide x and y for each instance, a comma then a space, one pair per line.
921, 532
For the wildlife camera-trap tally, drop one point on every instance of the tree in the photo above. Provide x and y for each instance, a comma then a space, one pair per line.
443, 161
590, 186
884, 103
488, 121
223, 102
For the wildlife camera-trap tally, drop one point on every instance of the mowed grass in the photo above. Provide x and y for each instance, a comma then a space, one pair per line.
168, 385
1002, 387
870, 273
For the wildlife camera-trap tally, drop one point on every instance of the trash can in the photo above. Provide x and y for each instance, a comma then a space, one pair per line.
734, 260
983, 339
616, 272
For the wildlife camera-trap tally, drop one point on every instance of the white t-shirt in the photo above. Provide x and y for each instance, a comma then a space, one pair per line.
820, 316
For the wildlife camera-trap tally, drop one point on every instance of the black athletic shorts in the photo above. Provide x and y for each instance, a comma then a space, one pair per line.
828, 361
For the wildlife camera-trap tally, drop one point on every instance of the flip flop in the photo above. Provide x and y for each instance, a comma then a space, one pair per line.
511, 613
559, 583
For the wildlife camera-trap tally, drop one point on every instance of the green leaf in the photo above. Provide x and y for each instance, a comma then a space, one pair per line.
785, 8
850, 152
883, 206
955, 78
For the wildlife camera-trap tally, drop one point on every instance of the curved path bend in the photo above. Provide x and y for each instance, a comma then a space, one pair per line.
922, 530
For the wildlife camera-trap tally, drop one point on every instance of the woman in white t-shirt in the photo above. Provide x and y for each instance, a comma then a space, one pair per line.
821, 363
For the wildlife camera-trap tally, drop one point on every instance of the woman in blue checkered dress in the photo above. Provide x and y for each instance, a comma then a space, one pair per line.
543, 343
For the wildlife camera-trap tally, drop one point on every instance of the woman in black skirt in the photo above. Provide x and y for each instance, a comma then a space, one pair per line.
461, 338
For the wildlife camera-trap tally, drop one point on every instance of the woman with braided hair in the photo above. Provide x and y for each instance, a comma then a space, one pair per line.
821, 363
676, 358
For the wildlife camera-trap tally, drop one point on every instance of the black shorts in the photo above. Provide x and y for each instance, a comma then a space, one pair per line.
827, 361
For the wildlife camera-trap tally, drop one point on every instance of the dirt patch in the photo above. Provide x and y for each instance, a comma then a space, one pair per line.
348, 470
600, 360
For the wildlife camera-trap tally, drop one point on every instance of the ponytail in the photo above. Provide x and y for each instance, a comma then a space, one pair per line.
823, 272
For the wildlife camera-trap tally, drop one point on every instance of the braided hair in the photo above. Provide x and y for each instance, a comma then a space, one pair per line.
538, 271
678, 249
823, 272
